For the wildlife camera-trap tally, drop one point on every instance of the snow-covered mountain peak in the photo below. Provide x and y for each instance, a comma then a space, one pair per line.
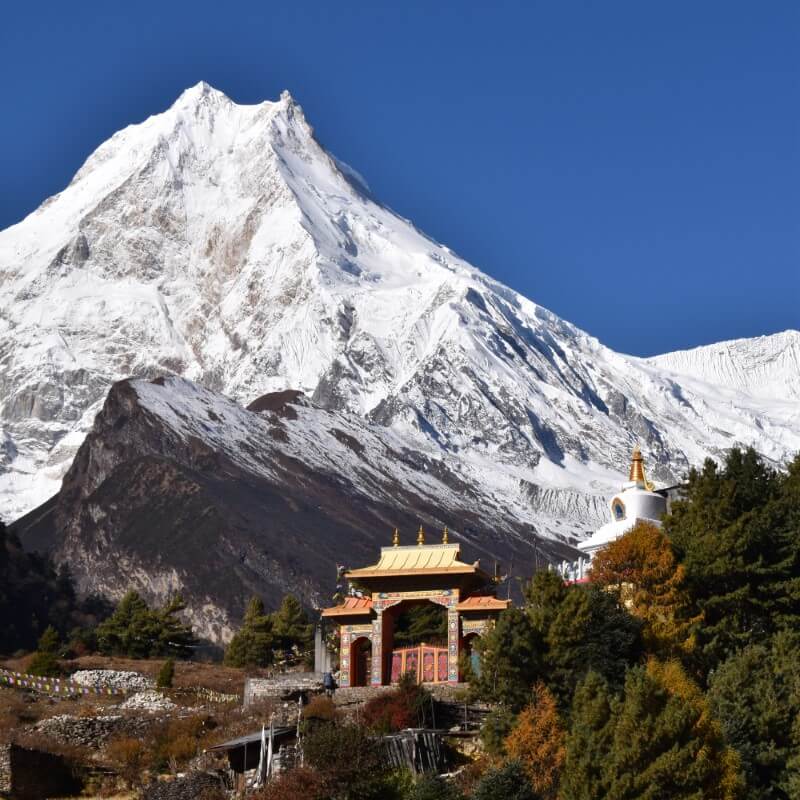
196, 94
221, 242
764, 366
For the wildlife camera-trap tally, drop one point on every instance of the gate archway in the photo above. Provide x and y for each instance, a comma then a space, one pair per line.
361, 661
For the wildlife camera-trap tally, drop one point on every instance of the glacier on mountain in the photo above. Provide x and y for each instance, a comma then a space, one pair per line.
222, 243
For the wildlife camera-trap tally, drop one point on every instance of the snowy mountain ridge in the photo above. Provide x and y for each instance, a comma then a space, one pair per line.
764, 366
222, 243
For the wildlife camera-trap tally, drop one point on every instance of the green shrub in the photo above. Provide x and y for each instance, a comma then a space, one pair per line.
166, 674
45, 660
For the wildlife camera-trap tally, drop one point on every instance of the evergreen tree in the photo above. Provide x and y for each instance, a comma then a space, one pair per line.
511, 660
737, 535
416, 624
45, 659
166, 675
665, 742
495, 729
588, 744
590, 631
291, 627
252, 643
756, 696
174, 635
433, 787
136, 631
506, 782
561, 634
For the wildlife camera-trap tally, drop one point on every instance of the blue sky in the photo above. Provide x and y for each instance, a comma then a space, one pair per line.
633, 166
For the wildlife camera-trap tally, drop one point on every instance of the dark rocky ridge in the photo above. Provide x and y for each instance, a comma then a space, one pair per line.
179, 489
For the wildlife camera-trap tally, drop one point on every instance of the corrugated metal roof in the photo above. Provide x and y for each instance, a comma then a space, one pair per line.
251, 738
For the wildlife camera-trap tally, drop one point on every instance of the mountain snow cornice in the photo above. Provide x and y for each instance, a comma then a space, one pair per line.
222, 243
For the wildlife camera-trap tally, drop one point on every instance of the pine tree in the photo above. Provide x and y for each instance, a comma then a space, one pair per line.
561, 634
588, 744
756, 696
136, 631
166, 675
252, 643
506, 782
511, 660
45, 659
290, 625
175, 636
537, 742
736, 536
590, 631
665, 742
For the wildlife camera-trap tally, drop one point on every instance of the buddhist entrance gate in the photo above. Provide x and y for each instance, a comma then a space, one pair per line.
432, 573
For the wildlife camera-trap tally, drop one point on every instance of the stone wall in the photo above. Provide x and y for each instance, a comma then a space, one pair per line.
33, 774
188, 787
288, 685
442, 692
5, 770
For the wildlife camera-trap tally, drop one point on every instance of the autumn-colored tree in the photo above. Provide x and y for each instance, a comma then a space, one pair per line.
537, 742
641, 569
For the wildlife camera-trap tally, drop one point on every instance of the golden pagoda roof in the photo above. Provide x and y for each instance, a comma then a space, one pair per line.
417, 560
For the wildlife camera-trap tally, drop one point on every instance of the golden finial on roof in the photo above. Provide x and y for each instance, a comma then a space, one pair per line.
396, 538
420, 536
445, 536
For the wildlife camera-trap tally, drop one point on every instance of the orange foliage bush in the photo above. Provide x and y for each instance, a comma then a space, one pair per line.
396, 710
129, 756
537, 742
295, 784
321, 709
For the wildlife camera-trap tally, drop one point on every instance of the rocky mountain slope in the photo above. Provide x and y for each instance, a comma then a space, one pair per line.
222, 243
178, 488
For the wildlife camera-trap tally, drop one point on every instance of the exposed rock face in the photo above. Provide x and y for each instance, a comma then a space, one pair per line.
178, 488
220, 242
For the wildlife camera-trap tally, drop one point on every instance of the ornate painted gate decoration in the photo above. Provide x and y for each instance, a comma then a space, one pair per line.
412, 574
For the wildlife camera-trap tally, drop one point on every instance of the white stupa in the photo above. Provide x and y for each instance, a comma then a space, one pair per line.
636, 502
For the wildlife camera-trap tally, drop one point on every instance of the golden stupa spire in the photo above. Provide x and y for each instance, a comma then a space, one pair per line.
396, 538
445, 536
420, 536
637, 473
